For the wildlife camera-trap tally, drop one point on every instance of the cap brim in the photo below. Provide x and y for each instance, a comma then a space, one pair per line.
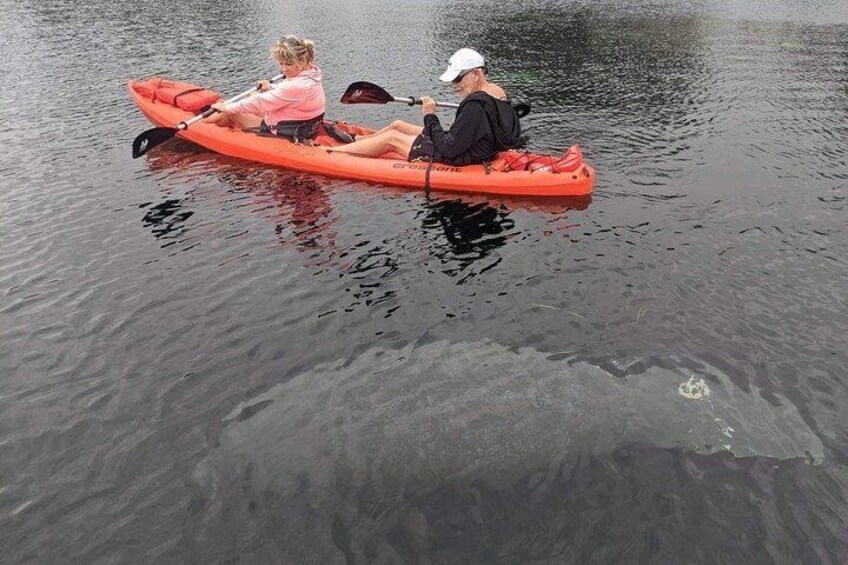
449, 75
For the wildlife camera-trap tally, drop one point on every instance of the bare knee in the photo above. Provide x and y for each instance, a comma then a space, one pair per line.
246, 121
399, 142
217, 119
394, 137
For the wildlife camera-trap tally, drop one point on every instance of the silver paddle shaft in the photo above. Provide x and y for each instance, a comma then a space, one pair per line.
412, 101
243, 95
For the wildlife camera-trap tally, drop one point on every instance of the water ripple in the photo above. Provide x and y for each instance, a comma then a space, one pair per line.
151, 308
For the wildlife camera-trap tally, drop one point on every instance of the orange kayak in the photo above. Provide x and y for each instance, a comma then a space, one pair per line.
512, 173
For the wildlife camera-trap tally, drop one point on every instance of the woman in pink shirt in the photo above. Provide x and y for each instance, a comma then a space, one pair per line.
291, 108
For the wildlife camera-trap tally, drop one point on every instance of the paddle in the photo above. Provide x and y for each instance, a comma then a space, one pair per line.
156, 136
367, 93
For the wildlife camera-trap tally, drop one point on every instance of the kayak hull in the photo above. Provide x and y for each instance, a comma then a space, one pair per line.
273, 150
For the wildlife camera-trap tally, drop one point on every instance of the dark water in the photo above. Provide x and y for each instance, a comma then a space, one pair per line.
207, 361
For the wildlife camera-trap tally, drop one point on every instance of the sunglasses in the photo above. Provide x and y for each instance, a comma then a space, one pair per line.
460, 76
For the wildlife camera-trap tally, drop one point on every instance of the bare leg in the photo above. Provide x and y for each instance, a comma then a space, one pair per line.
246, 121
379, 144
243, 121
397, 125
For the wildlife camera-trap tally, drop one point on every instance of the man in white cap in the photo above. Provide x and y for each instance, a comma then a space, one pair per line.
485, 122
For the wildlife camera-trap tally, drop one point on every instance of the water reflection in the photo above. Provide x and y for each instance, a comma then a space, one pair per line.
296, 203
301, 209
461, 232
465, 231
167, 219
471, 232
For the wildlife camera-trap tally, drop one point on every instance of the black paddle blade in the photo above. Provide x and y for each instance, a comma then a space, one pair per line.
150, 139
365, 93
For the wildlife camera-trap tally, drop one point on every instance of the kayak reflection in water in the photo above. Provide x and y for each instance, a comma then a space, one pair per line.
298, 206
291, 108
485, 122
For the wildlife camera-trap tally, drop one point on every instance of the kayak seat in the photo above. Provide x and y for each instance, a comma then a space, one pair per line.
326, 133
336, 133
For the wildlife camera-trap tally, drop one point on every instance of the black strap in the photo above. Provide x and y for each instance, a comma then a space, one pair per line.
299, 122
427, 170
190, 90
158, 88
427, 177
297, 130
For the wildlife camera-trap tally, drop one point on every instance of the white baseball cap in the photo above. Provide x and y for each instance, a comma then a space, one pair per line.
463, 60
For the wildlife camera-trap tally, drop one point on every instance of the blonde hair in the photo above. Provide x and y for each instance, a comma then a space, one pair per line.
293, 50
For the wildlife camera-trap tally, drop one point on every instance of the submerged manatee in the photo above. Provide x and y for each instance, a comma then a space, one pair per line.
408, 424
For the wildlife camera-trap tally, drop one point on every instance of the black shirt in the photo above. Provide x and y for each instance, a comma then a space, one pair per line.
483, 126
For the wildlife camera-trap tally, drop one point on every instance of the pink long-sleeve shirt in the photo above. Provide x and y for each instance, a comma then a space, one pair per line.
298, 98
